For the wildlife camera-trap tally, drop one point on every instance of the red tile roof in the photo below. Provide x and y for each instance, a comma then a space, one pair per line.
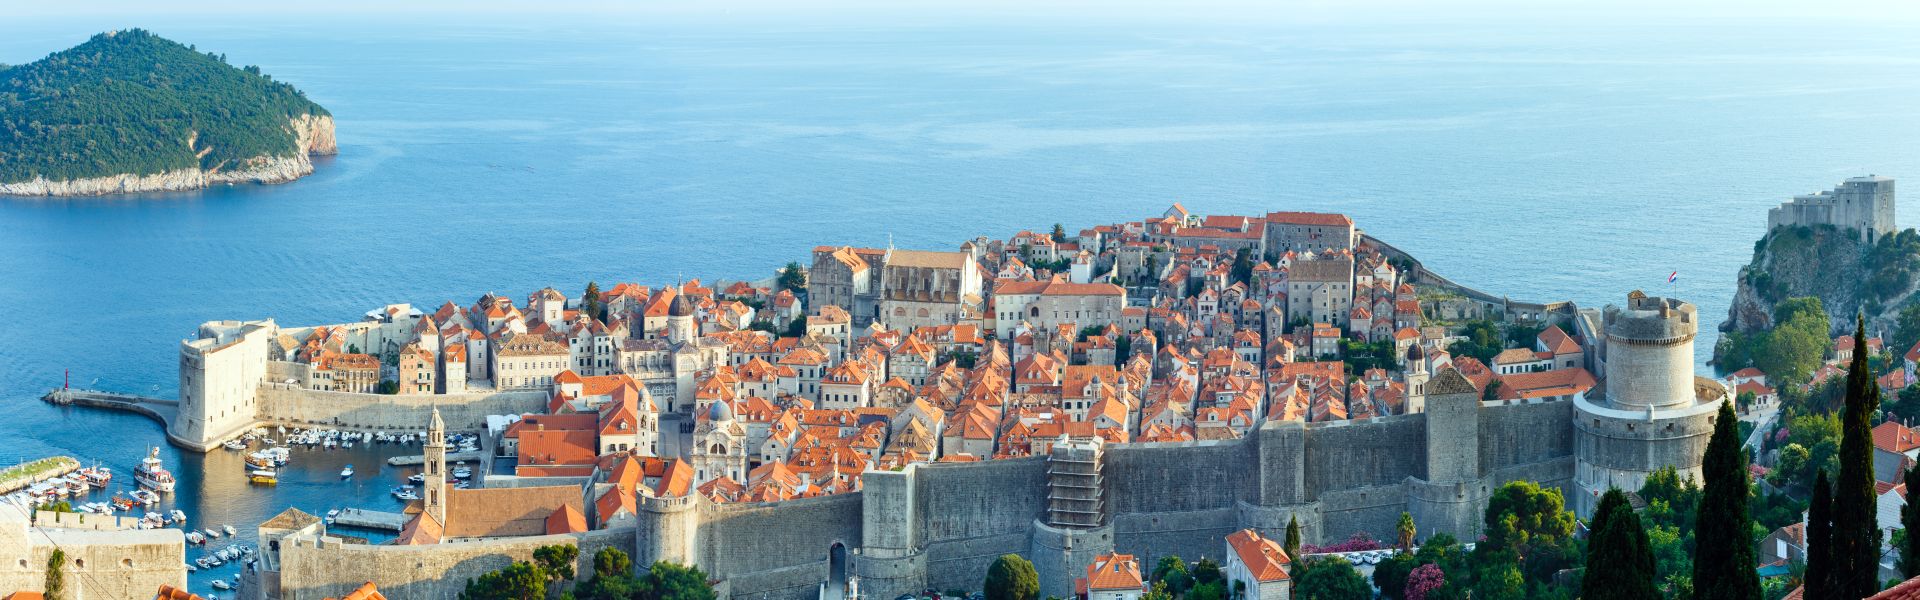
1894, 437
1264, 558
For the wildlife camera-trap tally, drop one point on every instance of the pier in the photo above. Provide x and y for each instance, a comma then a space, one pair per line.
26, 474
417, 459
158, 409
370, 519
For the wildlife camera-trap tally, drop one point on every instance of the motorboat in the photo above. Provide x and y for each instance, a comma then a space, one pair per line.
417, 478
227, 528
333, 513
146, 497
97, 476
347, 472
211, 533
177, 516
196, 538
221, 584
235, 445
263, 477
152, 475
462, 473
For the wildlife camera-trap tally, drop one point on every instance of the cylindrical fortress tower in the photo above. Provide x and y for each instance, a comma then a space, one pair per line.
1650, 352
1649, 410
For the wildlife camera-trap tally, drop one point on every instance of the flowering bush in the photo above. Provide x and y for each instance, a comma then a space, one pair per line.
1359, 542
1424, 580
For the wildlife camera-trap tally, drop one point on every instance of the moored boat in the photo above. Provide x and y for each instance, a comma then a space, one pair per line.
263, 477
152, 475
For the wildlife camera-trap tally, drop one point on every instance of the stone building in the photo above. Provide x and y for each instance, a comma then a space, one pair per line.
846, 277
719, 446
1305, 231
528, 361
107, 558
1649, 410
922, 288
1321, 290
1863, 205
1045, 305
220, 372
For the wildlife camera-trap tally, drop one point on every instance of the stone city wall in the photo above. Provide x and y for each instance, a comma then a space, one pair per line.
315, 569
100, 565
295, 406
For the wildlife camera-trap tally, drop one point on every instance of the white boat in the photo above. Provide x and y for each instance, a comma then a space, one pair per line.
417, 478
221, 584
462, 473
227, 528
211, 533
97, 476
234, 445
196, 538
146, 497
177, 516
333, 513
153, 476
347, 472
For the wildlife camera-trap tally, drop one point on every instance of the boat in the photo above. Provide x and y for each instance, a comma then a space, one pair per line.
462, 473
417, 478
192, 569
177, 516
235, 445
227, 528
196, 538
221, 584
347, 472
333, 513
151, 475
97, 476
263, 477
146, 497
123, 502
211, 534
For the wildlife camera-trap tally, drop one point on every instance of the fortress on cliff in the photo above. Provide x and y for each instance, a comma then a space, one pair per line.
939, 525
1864, 205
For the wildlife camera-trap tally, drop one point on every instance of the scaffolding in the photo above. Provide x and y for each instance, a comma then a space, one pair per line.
1074, 488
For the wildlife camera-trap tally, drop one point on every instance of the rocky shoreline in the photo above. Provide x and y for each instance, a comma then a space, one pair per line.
314, 134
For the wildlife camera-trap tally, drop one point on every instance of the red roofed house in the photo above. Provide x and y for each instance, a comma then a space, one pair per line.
1566, 352
554, 445
1112, 577
1895, 448
1557, 384
1258, 564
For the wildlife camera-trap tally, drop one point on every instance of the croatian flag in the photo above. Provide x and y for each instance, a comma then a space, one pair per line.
1673, 276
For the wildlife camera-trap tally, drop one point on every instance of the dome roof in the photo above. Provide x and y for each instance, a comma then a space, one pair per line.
1415, 353
720, 411
680, 307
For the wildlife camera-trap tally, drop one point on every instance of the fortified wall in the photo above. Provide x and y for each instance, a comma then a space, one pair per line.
940, 525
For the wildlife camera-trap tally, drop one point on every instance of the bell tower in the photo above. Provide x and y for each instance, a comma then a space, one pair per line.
433, 491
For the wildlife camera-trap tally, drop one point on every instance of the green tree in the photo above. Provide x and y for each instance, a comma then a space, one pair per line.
611, 561
1208, 591
1157, 592
1407, 531
1011, 578
1619, 557
590, 303
1856, 535
1293, 537
56, 584
556, 562
669, 581
1819, 575
1791, 466
1906, 329
1173, 572
1059, 233
1498, 578
1242, 266
520, 581
613, 577
1532, 523
1723, 536
1329, 578
1796, 344
1391, 574
793, 278
1206, 571
797, 328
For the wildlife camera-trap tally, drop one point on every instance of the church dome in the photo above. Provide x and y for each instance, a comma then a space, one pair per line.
680, 307
720, 411
1415, 353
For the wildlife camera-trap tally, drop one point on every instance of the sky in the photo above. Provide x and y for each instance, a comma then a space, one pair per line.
947, 11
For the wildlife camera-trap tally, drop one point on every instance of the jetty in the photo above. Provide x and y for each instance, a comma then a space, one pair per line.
370, 519
26, 474
419, 459
159, 409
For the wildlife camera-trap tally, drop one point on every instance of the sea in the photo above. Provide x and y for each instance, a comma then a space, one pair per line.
1543, 161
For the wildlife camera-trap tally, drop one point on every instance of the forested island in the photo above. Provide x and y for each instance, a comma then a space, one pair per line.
130, 111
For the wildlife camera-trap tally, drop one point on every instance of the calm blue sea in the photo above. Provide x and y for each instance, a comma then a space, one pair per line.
1544, 161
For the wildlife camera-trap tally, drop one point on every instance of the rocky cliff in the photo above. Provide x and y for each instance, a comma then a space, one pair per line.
313, 136
1847, 275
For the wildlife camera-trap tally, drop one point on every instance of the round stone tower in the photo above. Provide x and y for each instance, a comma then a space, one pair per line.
1649, 410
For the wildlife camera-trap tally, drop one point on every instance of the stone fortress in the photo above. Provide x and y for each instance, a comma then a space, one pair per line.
939, 525
1862, 204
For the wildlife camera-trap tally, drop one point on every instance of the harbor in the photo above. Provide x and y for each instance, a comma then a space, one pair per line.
26, 474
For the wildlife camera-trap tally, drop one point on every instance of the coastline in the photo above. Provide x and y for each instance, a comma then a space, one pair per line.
313, 135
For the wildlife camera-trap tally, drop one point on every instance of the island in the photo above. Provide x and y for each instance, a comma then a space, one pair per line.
130, 111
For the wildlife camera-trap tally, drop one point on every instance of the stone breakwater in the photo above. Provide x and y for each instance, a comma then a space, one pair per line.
314, 135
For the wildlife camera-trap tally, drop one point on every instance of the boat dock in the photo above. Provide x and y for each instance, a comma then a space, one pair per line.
26, 474
370, 519
418, 459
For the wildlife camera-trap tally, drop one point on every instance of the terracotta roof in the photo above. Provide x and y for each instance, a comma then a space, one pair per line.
1558, 342
1556, 382
291, 518
1450, 381
1906, 590
1264, 558
1114, 572
499, 512
167, 592
366, 591
1894, 437
927, 259
1309, 218
422, 530
566, 520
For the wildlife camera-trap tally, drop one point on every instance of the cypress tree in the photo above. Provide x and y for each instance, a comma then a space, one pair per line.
1293, 538
1856, 535
1619, 556
1818, 579
1724, 562
1910, 520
